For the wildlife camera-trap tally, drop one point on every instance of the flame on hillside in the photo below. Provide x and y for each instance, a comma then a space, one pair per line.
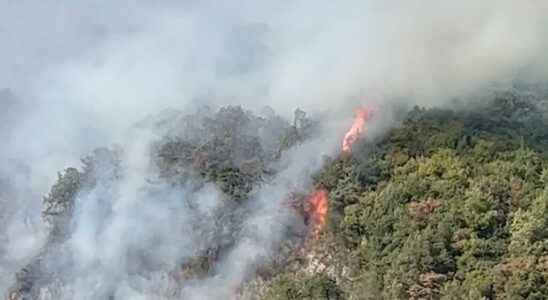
317, 210
358, 127
316, 203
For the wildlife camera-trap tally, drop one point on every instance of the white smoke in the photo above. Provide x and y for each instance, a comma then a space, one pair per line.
82, 73
129, 233
86, 67
132, 229
264, 229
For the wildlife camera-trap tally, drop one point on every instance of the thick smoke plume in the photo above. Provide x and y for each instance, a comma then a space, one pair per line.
77, 76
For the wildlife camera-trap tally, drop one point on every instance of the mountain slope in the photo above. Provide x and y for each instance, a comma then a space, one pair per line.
449, 205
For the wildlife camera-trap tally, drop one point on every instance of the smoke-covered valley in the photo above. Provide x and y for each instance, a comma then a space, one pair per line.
169, 140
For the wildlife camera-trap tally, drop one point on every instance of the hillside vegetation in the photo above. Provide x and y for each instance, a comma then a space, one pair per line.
449, 205
222, 154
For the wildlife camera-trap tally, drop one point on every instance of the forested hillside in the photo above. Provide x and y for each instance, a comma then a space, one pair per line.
448, 205
273, 150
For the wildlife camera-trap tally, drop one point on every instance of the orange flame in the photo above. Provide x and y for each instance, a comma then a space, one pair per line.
358, 127
317, 210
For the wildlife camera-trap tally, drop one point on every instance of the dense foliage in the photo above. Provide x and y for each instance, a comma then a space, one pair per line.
449, 205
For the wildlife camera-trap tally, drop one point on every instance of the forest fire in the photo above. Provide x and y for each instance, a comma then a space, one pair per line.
317, 201
358, 127
317, 210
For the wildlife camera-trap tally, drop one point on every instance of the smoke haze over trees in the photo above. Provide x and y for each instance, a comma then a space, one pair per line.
145, 144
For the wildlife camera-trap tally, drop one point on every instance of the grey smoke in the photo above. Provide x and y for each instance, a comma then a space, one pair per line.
132, 229
75, 76
129, 233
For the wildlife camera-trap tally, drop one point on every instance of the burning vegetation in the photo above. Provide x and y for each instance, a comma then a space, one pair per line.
317, 201
317, 210
450, 204
358, 127
224, 154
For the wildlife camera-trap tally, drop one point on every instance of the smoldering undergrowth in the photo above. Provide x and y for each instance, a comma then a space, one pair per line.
189, 206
